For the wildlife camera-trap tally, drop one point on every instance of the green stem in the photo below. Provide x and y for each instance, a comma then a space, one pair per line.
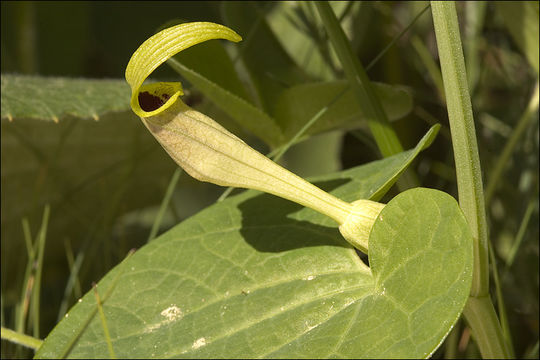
469, 177
479, 311
481, 317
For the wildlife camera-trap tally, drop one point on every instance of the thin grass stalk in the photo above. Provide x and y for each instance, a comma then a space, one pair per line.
523, 123
164, 203
36, 294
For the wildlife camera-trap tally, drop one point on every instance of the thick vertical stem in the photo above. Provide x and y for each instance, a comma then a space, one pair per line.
479, 311
460, 116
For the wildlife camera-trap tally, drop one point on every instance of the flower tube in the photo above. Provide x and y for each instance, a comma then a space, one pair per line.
208, 152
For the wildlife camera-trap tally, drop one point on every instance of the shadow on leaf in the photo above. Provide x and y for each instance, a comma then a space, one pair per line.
271, 224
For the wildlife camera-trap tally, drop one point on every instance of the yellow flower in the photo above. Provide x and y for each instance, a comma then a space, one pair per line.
208, 152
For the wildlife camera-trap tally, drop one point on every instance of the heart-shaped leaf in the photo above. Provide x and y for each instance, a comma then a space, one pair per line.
258, 276
270, 285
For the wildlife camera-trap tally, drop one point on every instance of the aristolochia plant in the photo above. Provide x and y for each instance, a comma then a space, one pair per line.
208, 152
256, 276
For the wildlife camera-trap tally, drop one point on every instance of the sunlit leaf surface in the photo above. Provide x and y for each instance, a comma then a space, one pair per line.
258, 276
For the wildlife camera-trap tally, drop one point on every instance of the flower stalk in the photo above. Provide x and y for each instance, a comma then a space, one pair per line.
208, 152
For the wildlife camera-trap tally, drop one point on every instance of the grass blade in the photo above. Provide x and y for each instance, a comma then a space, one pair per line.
511, 144
385, 136
69, 345
164, 203
520, 235
22, 308
396, 38
501, 307
39, 266
431, 66
73, 284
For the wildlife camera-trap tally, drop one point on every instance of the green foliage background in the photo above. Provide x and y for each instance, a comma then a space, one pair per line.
104, 176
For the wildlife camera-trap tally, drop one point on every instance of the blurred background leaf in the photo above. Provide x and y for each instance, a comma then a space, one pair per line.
521, 19
270, 68
299, 103
51, 98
